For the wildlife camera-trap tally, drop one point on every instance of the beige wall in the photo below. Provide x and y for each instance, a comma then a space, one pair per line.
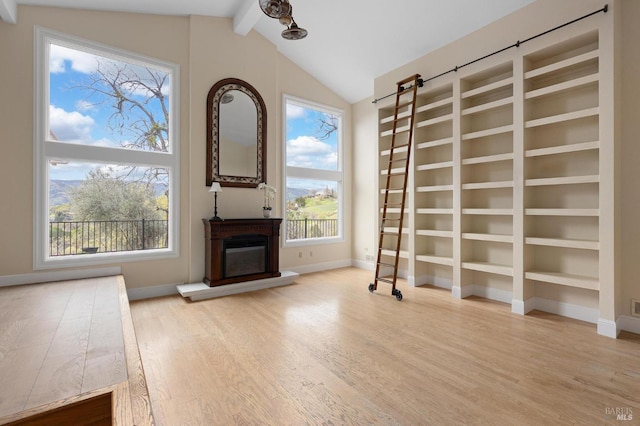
207, 50
533, 19
630, 153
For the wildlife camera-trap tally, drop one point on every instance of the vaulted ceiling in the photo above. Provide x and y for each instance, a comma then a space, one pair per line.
350, 43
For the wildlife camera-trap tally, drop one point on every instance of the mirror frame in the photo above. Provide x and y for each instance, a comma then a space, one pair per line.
213, 134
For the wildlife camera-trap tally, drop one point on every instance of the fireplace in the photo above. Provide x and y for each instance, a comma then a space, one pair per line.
244, 255
240, 250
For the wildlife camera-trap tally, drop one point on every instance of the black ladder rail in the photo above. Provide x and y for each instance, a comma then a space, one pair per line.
398, 168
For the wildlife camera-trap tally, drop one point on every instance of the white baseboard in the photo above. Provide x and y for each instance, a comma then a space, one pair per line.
608, 328
319, 267
363, 264
522, 308
628, 323
567, 310
64, 275
491, 293
434, 281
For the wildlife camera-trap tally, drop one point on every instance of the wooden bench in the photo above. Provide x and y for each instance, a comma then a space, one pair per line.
69, 355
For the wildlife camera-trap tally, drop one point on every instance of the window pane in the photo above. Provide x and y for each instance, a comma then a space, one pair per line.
98, 208
96, 100
312, 138
312, 209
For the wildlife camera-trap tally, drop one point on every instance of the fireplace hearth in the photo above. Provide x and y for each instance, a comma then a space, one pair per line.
240, 250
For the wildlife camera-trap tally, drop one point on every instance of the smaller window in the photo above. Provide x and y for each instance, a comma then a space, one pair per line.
313, 173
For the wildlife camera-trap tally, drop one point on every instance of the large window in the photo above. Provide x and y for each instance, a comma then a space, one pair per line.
106, 154
313, 173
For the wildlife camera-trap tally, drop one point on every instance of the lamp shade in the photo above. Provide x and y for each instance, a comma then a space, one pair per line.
215, 187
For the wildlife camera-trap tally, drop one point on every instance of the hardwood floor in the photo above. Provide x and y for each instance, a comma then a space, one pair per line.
326, 351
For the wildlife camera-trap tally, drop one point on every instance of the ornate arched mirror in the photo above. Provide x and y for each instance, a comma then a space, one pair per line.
236, 134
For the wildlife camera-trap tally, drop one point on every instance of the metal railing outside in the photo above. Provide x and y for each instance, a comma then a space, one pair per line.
106, 236
298, 229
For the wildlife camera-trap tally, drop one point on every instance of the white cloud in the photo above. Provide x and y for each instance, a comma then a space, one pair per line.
83, 62
83, 105
70, 126
294, 111
308, 151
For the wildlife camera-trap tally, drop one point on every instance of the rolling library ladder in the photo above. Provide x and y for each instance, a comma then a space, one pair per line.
395, 190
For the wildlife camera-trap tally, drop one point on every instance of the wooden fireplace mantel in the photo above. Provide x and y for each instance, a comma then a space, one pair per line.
217, 231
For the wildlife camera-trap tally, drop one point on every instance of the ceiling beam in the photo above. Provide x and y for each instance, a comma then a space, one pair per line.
245, 18
9, 11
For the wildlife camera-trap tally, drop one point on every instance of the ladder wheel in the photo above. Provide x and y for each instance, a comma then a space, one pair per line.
371, 288
397, 294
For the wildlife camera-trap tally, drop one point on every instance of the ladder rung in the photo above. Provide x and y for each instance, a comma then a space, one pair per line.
404, 145
385, 280
404, 104
390, 265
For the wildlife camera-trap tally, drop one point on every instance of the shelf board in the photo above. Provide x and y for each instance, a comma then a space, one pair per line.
433, 144
568, 180
489, 267
436, 120
394, 210
434, 105
394, 230
488, 159
434, 233
434, 188
394, 171
563, 149
488, 237
402, 115
562, 242
574, 115
488, 185
562, 64
403, 253
488, 88
567, 85
440, 260
563, 212
392, 191
398, 150
570, 280
489, 105
488, 132
434, 166
488, 212
400, 129
434, 211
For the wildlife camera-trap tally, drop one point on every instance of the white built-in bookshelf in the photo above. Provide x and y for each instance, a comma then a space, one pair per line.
507, 190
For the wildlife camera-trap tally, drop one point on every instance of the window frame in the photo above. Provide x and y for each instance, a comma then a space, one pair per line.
46, 150
313, 174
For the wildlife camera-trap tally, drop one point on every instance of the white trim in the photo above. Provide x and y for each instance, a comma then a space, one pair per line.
151, 292
567, 310
628, 323
367, 265
201, 291
462, 292
319, 267
42, 277
608, 328
492, 293
523, 307
45, 149
435, 281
